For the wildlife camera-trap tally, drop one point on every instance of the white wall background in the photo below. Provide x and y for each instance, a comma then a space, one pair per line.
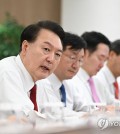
78, 16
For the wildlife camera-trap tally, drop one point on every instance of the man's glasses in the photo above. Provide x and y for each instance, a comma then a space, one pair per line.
74, 59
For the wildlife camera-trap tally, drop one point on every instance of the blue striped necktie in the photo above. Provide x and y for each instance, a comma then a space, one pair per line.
63, 94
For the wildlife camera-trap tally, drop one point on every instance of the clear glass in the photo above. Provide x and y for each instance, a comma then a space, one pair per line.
96, 109
53, 111
12, 119
117, 108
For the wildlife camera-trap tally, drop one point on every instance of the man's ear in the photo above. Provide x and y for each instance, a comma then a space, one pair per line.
112, 54
25, 46
86, 53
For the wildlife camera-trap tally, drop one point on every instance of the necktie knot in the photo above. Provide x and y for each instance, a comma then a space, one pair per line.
90, 80
63, 94
93, 90
115, 84
33, 97
33, 90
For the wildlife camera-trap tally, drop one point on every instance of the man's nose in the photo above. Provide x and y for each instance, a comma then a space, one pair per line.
76, 64
102, 64
51, 57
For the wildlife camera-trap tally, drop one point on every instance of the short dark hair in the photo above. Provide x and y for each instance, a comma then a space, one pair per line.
93, 39
115, 46
30, 33
74, 41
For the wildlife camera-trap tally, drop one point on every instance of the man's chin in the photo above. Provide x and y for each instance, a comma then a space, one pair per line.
93, 74
70, 77
44, 76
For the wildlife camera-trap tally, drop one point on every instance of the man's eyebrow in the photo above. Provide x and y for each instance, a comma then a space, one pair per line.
60, 51
75, 52
48, 43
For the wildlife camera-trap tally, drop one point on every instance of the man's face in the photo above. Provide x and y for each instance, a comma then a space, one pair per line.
114, 63
94, 61
69, 64
42, 56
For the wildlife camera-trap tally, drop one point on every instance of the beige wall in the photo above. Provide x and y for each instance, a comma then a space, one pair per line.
30, 11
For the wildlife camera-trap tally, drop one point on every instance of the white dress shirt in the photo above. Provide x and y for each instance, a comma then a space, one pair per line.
82, 93
103, 93
48, 92
107, 79
15, 83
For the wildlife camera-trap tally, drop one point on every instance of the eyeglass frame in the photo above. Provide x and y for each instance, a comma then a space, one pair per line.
73, 59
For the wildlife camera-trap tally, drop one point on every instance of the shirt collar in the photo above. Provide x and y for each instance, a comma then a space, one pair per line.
27, 79
82, 74
56, 83
108, 74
